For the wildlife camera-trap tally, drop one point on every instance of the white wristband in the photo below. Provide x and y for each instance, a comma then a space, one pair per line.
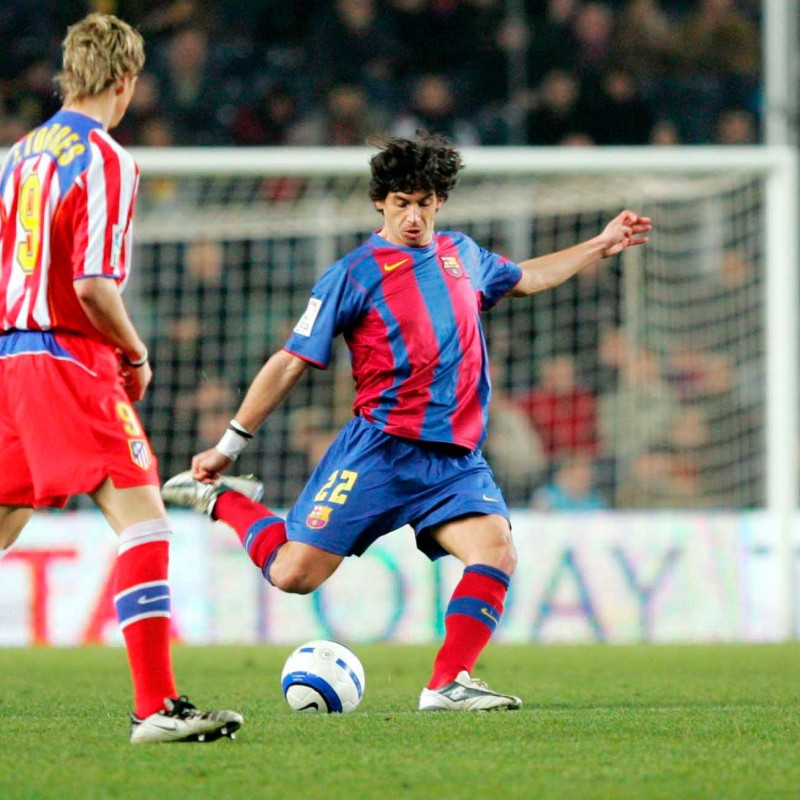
231, 444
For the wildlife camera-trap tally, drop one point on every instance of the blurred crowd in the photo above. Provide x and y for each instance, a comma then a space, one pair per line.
335, 72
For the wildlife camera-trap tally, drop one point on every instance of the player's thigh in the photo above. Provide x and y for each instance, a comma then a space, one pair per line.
300, 568
125, 507
478, 539
353, 495
12, 520
75, 425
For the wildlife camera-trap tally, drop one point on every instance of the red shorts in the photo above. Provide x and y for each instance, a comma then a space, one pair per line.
66, 423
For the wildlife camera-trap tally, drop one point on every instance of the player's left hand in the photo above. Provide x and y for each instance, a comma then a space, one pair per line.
624, 231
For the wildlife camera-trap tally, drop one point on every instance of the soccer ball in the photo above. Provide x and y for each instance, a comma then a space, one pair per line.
323, 677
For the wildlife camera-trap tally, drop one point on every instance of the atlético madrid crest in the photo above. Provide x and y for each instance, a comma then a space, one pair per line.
140, 453
452, 266
319, 516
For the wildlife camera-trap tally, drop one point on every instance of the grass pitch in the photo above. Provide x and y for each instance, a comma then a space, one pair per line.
601, 722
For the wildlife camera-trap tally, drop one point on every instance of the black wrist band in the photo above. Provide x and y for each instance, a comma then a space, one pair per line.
139, 362
234, 426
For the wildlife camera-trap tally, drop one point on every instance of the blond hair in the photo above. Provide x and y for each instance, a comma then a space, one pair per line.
99, 51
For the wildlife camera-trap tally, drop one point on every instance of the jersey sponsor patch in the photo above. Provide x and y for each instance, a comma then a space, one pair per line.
306, 323
319, 517
117, 239
140, 453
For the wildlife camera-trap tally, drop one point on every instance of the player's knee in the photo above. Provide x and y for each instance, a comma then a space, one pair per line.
500, 550
508, 557
293, 577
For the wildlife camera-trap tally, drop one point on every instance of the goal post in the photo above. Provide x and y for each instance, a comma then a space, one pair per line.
292, 211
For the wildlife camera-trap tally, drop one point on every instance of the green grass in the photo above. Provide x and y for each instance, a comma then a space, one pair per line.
598, 722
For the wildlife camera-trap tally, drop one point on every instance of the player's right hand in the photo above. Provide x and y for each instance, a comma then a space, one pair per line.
136, 379
208, 465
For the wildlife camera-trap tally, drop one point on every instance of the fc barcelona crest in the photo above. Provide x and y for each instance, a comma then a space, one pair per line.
452, 266
319, 516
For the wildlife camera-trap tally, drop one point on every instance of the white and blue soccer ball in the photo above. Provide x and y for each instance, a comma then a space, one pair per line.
323, 677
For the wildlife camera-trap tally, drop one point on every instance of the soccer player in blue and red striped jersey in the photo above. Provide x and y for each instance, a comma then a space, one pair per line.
72, 363
408, 303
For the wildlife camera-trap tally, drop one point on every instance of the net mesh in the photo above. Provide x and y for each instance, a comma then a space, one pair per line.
639, 383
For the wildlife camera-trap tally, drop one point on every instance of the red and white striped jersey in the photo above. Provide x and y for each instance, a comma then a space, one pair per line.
67, 194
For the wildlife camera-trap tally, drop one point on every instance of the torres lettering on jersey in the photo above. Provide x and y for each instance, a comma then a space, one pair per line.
306, 323
59, 140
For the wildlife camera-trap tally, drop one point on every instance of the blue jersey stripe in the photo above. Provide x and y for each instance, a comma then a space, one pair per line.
437, 426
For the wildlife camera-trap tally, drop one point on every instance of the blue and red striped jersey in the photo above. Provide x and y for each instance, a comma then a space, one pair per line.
411, 319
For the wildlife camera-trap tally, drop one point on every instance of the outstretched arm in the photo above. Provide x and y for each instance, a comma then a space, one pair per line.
269, 388
545, 272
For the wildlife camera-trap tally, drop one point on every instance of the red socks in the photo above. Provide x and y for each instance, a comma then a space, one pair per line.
260, 531
471, 617
143, 610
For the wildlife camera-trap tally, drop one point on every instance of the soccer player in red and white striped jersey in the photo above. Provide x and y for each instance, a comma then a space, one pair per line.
72, 363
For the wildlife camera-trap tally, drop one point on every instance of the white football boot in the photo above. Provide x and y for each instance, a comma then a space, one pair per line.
183, 722
466, 694
184, 491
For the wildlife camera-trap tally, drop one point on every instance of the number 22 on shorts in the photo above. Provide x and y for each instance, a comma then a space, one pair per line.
339, 485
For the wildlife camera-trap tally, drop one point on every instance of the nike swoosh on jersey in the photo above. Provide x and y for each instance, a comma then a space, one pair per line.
390, 267
490, 499
144, 599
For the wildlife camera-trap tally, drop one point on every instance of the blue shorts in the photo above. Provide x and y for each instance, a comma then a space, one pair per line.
370, 483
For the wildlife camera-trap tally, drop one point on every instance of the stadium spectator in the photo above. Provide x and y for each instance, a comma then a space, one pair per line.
716, 68
571, 487
192, 90
563, 411
347, 119
644, 39
736, 126
312, 432
513, 446
665, 133
354, 44
552, 45
145, 106
637, 413
407, 302
72, 363
661, 478
435, 107
592, 27
690, 60
622, 114
267, 121
557, 110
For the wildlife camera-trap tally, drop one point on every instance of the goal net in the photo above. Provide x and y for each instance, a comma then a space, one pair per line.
653, 380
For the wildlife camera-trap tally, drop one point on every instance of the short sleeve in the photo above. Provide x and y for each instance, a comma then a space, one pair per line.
336, 303
111, 183
496, 277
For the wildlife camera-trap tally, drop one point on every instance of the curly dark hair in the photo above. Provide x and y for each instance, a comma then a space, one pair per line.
402, 165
